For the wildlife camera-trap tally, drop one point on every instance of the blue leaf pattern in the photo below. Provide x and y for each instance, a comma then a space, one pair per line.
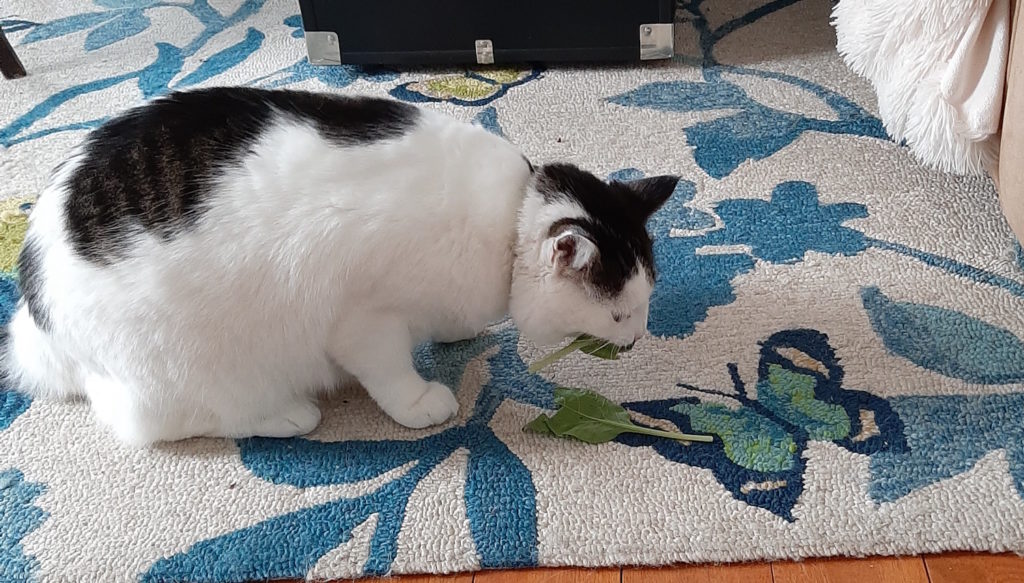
10, 294
305, 463
18, 517
225, 59
781, 230
501, 504
488, 118
756, 131
126, 25
67, 25
153, 79
720, 146
945, 341
789, 225
125, 4
684, 96
335, 77
10, 26
946, 436
255, 553
12, 404
295, 21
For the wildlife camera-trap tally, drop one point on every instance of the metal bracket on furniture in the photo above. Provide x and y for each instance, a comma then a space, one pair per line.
656, 41
323, 48
484, 52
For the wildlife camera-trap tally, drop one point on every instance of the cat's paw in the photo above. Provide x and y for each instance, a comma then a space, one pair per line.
436, 405
300, 418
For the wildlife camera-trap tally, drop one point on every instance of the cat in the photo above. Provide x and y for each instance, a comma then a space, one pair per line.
208, 263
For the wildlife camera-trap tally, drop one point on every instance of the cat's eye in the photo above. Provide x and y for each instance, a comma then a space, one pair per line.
619, 317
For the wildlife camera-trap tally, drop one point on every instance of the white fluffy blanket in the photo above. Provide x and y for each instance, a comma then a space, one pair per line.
939, 71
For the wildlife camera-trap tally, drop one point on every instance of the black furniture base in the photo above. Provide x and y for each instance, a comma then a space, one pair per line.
412, 32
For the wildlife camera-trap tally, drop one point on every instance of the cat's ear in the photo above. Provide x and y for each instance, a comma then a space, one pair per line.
570, 249
652, 192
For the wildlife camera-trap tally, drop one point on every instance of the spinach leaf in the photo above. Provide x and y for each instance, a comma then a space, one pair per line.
591, 418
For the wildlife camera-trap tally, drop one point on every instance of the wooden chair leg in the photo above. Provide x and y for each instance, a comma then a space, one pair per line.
10, 66
1011, 147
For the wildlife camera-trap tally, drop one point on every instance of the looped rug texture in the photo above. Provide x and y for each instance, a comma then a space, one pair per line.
847, 324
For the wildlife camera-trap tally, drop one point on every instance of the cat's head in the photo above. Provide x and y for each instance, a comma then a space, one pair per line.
583, 258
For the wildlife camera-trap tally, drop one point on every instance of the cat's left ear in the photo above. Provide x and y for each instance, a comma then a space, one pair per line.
652, 192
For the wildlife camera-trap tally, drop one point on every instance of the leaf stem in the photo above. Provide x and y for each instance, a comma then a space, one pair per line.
657, 432
672, 434
696, 389
558, 355
633, 428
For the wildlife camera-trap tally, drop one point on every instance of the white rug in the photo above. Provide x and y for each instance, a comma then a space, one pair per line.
848, 324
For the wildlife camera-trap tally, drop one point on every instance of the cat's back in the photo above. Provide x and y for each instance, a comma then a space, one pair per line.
246, 182
159, 169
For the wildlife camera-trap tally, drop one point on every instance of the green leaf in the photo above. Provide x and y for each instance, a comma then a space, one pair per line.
590, 403
586, 344
540, 425
587, 416
591, 418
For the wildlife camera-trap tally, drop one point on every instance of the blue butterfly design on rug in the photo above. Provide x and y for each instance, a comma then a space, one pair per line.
758, 451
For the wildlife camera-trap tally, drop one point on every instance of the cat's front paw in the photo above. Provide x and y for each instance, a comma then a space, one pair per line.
300, 418
436, 405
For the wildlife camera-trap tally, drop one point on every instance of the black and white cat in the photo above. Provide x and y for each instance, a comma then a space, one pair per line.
210, 262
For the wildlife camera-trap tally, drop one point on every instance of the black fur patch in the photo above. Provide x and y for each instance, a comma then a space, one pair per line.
31, 282
151, 167
616, 219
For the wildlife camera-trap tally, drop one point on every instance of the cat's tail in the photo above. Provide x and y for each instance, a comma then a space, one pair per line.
32, 363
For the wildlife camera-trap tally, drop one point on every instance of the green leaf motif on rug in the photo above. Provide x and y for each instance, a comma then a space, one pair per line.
790, 395
13, 225
750, 440
503, 76
458, 86
469, 88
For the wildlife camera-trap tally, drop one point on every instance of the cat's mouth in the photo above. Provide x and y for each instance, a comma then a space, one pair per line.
601, 343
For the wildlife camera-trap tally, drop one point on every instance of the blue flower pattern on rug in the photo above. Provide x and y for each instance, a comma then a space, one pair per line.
18, 516
690, 283
799, 395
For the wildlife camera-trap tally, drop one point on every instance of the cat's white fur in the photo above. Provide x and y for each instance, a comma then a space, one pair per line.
316, 262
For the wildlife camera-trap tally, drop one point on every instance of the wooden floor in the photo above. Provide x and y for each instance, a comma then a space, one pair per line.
947, 568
